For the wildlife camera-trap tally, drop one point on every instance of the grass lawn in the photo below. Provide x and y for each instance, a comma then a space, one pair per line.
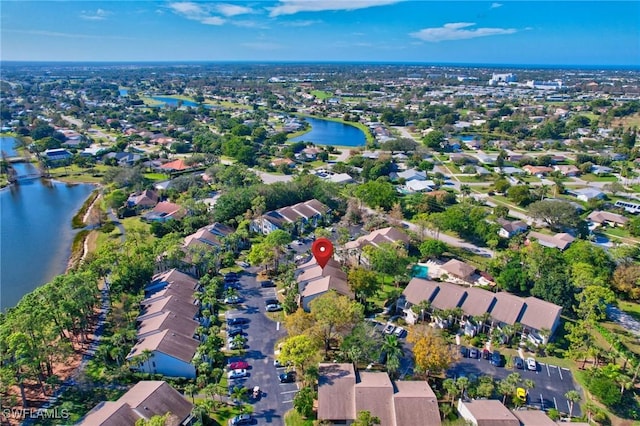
475, 178
150, 101
630, 308
317, 163
590, 177
155, 176
133, 224
321, 94
292, 418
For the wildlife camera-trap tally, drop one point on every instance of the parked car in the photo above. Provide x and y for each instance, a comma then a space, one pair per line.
518, 363
243, 264
234, 331
239, 365
531, 364
277, 363
473, 353
496, 359
399, 332
267, 283
389, 328
464, 352
521, 393
232, 300
289, 377
274, 307
242, 419
237, 321
237, 374
486, 354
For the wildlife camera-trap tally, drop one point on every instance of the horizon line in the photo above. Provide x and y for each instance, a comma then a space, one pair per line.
612, 67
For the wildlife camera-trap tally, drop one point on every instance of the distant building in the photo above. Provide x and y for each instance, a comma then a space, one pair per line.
57, 156
497, 79
607, 218
511, 228
165, 211
560, 241
306, 214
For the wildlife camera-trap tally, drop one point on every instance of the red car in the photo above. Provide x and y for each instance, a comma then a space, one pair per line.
239, 365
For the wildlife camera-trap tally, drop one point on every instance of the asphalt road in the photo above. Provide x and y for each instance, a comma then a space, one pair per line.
551, 382
262, 336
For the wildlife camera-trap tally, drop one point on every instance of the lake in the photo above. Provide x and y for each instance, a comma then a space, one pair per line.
35, 232
327, 132
174, 101
7, 145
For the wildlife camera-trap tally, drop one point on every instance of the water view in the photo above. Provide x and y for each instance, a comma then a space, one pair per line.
35, 232
7, 145
174, 101
326, 132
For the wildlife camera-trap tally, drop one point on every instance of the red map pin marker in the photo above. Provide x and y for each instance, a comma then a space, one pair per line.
322, 250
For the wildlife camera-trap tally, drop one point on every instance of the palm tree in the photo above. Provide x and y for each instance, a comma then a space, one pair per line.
573, 397
452, 389
392, 348
191, 389
462, 383
240, 394
465, 190
146, 356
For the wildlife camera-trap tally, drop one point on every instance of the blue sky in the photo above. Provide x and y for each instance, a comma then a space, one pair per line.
506, 32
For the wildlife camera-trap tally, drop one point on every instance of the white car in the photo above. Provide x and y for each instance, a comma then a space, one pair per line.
531, 364
399, 332
389, 328
236, 374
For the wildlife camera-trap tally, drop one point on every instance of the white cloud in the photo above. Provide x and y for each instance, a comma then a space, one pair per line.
233, 9
197, 12
302, 23
291, 7
458, 31
496, 5
98, 15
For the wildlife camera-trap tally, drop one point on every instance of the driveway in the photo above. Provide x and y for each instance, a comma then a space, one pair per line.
262, 336
551, 381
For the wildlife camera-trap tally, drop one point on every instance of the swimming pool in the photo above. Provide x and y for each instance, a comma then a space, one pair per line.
420, 271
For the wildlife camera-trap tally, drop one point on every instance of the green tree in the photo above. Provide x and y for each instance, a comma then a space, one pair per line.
430, 249
363, 283
388, 258
377, 193
299, 350
364, 418
556, 214
572, 396
392, 349
335, 315
434, 140
303, 401
520, 194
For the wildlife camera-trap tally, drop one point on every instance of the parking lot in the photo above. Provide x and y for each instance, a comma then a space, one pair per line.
262, 335
551, 381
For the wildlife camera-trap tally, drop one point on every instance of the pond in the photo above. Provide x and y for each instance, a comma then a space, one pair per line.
7, 145
327, 132
167, 100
